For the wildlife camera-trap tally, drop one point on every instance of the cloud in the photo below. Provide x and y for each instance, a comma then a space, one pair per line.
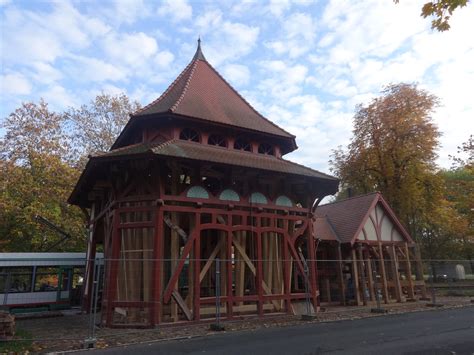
15, 84
237, 74
87, 69
130, 49
177, 10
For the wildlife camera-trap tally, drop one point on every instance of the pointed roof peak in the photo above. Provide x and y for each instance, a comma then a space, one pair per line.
199, 55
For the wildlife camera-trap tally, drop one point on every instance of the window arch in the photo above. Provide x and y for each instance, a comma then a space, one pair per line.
242, 144
189, 134
283, 201
265, 148
197, 192
217, 139
258, 197
229, 195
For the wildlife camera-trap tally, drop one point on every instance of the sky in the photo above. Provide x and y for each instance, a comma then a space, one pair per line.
305, 65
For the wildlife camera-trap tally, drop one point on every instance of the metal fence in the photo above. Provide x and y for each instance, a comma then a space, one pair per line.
46, 295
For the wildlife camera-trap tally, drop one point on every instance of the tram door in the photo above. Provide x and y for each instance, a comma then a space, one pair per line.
64, 283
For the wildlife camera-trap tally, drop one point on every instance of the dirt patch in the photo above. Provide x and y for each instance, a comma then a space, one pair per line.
69, 332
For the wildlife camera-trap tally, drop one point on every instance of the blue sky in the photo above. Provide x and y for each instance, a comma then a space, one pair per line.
303, 64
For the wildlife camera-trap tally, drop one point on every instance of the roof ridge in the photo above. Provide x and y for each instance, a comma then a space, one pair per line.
168, 89
331, 225
351, 198
186, 86
244, 100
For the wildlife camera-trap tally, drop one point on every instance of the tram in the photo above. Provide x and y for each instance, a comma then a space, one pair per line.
41, 281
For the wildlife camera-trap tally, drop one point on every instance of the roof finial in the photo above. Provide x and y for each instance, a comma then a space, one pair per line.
198, 55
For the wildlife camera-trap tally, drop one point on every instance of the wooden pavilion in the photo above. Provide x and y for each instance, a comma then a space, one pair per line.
362, 250
197, 176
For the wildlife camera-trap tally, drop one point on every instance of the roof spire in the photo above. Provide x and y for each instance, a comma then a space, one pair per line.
198, 55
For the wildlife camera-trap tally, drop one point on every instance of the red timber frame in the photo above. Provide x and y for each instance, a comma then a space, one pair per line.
161, 248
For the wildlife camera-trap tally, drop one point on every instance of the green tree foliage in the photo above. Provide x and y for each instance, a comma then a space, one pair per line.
36, 180
393, 150
41, 158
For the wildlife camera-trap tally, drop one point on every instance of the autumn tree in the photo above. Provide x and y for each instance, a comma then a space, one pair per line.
94, 127
393, 150
36, 179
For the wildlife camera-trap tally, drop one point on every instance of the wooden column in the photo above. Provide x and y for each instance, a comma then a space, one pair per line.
383, 274
197, 270
174, 243
342, 285
362, 275
312, 265
355, 276
411, 290
370, 278
158, 268
395, 274
230, 300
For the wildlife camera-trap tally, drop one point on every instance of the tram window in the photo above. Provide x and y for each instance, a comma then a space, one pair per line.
46, 279
15, 279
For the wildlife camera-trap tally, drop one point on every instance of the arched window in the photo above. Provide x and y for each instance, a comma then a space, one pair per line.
189, 134
258, 197
197, 192
265, 148
229, 195
283, 201
217, 139
242, 144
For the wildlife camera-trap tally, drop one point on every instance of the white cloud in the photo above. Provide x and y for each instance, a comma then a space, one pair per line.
177, 10
237, 74
15, 84
131, 49
164, 59
87, 69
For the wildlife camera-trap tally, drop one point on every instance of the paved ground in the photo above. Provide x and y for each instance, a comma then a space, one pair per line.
435, 332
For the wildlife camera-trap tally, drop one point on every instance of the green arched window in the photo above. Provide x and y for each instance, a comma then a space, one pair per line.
197, 192
229, 195
258, 197
283, 201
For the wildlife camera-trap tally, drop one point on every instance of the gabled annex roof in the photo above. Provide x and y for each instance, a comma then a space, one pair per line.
344, 220
201, 92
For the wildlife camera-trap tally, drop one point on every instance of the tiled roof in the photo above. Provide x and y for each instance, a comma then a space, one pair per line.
197, 151
201, 92
345, 216
323, 229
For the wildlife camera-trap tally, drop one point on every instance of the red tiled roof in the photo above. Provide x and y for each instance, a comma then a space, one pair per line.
346, 215
197, 151
201, 92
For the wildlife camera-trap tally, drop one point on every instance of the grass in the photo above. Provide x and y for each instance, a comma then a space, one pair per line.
21, 343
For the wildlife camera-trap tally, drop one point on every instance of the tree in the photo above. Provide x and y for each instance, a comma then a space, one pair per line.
442, 11
36, 179
393, 150
95, 126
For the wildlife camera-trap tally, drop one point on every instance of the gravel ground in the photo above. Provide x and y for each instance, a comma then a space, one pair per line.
69, 332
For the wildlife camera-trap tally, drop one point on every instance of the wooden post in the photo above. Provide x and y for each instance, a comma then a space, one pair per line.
229, 274
340, 273
411, 290
395, 274
355, 277
158, 267
197, 270
419, 271
383, 275
362, 275
371, 278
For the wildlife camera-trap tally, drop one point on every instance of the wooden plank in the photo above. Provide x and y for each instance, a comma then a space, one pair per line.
362, 275
180, 302
370, 279
355, 277
177, 229
210, 260
395, 274
383, 275
254, 270
408, 274
340, 275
